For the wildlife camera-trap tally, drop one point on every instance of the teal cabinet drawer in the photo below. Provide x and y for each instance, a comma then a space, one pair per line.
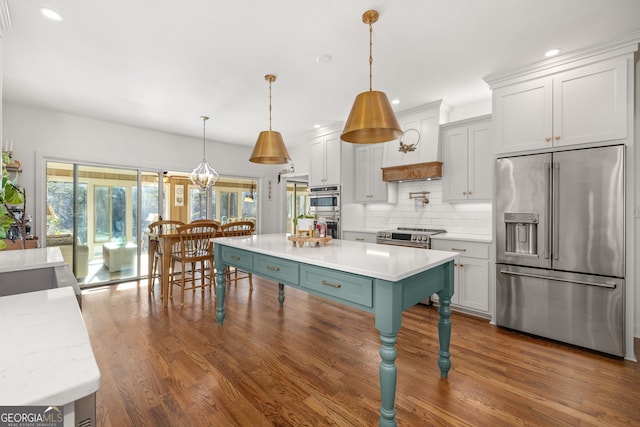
344, 286
278, 269
237, 258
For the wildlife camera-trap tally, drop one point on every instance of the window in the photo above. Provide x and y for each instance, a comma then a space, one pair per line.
92, 207
198, 204
231, 199
60, 209
110, 219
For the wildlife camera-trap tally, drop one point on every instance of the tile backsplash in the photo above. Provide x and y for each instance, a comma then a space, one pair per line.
468, 218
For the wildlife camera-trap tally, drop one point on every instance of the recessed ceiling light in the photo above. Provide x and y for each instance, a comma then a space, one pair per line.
323, 59
552, 52
51, 14
316, 126
395, 102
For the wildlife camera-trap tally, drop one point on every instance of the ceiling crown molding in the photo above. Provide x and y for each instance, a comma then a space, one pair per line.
5, 16
616, 47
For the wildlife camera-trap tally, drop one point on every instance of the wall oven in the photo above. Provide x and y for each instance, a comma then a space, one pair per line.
324, 203
324, 199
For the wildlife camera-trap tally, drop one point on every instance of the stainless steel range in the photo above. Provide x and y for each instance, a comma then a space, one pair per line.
404, 236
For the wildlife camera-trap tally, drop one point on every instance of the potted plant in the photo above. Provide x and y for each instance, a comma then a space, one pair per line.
10, 194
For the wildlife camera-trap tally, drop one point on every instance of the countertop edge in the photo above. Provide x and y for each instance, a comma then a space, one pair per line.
426, 259
53, 371
480, 238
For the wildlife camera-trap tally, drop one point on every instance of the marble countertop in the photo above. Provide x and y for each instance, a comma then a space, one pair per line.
29, 259
385, 262
481, 238
45, 354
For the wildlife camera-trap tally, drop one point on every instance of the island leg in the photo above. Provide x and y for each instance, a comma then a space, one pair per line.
388, 379
444, 323
220, 284
281, 294
388, 318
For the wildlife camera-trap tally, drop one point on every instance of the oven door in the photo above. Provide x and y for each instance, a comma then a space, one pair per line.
406, 244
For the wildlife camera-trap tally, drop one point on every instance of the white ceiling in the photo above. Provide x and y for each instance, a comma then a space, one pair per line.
161, 64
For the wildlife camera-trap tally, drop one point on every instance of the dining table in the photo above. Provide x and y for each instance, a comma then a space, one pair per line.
167, 241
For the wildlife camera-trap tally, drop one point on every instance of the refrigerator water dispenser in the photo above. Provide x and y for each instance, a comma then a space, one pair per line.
521, 233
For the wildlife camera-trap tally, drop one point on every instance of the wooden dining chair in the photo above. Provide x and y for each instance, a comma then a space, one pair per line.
195, 257
238, 228
155, 248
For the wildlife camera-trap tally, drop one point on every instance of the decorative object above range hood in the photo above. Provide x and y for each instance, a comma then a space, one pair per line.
416, 172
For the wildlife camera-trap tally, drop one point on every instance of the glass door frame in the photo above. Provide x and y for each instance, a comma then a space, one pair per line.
41, 206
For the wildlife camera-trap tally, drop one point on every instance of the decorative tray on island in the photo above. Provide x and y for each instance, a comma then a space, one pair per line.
311, 241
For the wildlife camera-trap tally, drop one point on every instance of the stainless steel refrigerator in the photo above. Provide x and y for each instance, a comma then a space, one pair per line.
560, 259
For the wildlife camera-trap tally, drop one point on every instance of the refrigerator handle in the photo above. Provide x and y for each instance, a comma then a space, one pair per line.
609, 285
547, 210
555, 250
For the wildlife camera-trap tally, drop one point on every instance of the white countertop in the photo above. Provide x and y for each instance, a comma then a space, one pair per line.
385, 262
45, 353
481, 238
30, 259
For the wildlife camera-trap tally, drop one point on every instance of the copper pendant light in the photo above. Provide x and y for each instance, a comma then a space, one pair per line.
270, 148
371, 119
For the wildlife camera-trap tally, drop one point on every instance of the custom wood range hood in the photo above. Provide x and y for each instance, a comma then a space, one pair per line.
415, 172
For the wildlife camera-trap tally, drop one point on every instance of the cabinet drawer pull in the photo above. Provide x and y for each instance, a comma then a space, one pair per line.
359, 238
558, 138
458, 250
333, 285
547, 139
236, 257
273, 268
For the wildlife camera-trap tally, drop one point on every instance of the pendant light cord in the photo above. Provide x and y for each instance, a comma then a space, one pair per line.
204, 125
269, 105
370, 57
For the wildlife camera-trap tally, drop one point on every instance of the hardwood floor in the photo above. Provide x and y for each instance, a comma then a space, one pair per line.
315, 363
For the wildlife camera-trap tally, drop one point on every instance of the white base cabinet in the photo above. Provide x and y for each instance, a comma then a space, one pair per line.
471, 275
360, 236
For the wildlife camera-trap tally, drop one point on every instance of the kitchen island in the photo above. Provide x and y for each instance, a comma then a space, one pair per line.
379, 279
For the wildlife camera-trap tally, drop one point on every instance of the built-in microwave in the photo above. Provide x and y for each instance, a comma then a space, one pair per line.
324, 199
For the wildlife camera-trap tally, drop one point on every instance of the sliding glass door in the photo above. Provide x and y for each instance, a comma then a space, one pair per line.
97, 217
297, 201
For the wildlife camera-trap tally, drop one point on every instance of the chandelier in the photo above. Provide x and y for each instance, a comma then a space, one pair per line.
204, 176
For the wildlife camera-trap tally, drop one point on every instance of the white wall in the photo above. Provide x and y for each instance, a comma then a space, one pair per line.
38, 132
468, 111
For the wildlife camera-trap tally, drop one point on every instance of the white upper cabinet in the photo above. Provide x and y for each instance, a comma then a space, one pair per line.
467, 160
325, 159
582, 99
425, 120
369, 186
